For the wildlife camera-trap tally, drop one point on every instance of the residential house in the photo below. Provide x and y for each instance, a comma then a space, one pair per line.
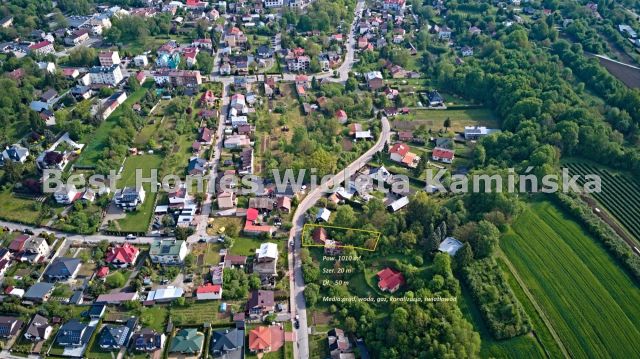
390, 280
236, 141
62, 268
9, 326
209, 291
260, 303
472, 133
168, 251
323, 215
45, 102
208, 99
141, 61
175, 78
233, 261
226, 200
122, 255
266, 258
197, 166
273, 3
39, 292
450, 246
405, 136
97, 310
74, 334
148, 340
67, 195
15, 153
266, 339
39, 329
374, 80
443, 155
129, 198
246, 162
435, 100
444, 33
77, 37
112, 103
341, 115
228, 343
283, 204
466, 51
18, 243
204, 135
338, 343
262, 204
42, 48
253, 227
116, 337
188, 341
35, 249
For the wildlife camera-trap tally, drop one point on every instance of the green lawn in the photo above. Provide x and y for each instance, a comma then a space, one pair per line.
138, 221
590, 301
460, 118
199, 313
18, 209
97, 140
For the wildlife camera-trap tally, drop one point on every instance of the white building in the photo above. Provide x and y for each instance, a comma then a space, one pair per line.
66, 195
273, 3
109, 58
450, 245
209, 292
141, 61
107, 75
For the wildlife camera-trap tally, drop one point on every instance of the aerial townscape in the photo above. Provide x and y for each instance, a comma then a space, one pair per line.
161, 166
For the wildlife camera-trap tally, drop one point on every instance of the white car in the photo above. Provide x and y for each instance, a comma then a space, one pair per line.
130, 237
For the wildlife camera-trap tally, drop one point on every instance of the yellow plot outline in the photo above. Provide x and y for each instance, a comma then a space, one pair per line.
337, 227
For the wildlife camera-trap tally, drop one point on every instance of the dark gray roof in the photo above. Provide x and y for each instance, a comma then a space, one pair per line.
38, 290
227, 340
74, 332
62, 267
116, 336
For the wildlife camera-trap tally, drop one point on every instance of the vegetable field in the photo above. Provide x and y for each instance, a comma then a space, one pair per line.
590, 301
620, 194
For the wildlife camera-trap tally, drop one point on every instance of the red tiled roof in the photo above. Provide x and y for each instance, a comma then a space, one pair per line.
18, 244
389, 279
252, 214
125, 253
399, 148
341, 114
443, 153
208, 288
40, 45
102, 272
320, 235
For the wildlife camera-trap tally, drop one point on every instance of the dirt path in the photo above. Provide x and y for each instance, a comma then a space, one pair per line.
542, 314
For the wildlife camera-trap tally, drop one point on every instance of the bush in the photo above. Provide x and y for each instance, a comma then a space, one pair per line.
501, 310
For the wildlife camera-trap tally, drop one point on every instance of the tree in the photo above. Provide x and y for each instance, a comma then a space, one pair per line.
311, 294
189, 260
350, 324
447, 123
115, 280
463, 257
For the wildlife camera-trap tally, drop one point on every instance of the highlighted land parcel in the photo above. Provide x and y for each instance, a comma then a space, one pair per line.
321, 235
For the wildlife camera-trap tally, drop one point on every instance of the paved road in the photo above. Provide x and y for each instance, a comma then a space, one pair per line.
301, 350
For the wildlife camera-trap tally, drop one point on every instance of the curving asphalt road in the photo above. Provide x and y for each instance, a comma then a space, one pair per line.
301, 350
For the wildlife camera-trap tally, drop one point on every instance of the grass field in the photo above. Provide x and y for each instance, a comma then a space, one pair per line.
138, 221
18, 209
619, 194
434, 119
590, 301
97, 140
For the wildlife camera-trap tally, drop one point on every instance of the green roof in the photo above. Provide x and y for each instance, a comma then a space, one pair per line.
187, 340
